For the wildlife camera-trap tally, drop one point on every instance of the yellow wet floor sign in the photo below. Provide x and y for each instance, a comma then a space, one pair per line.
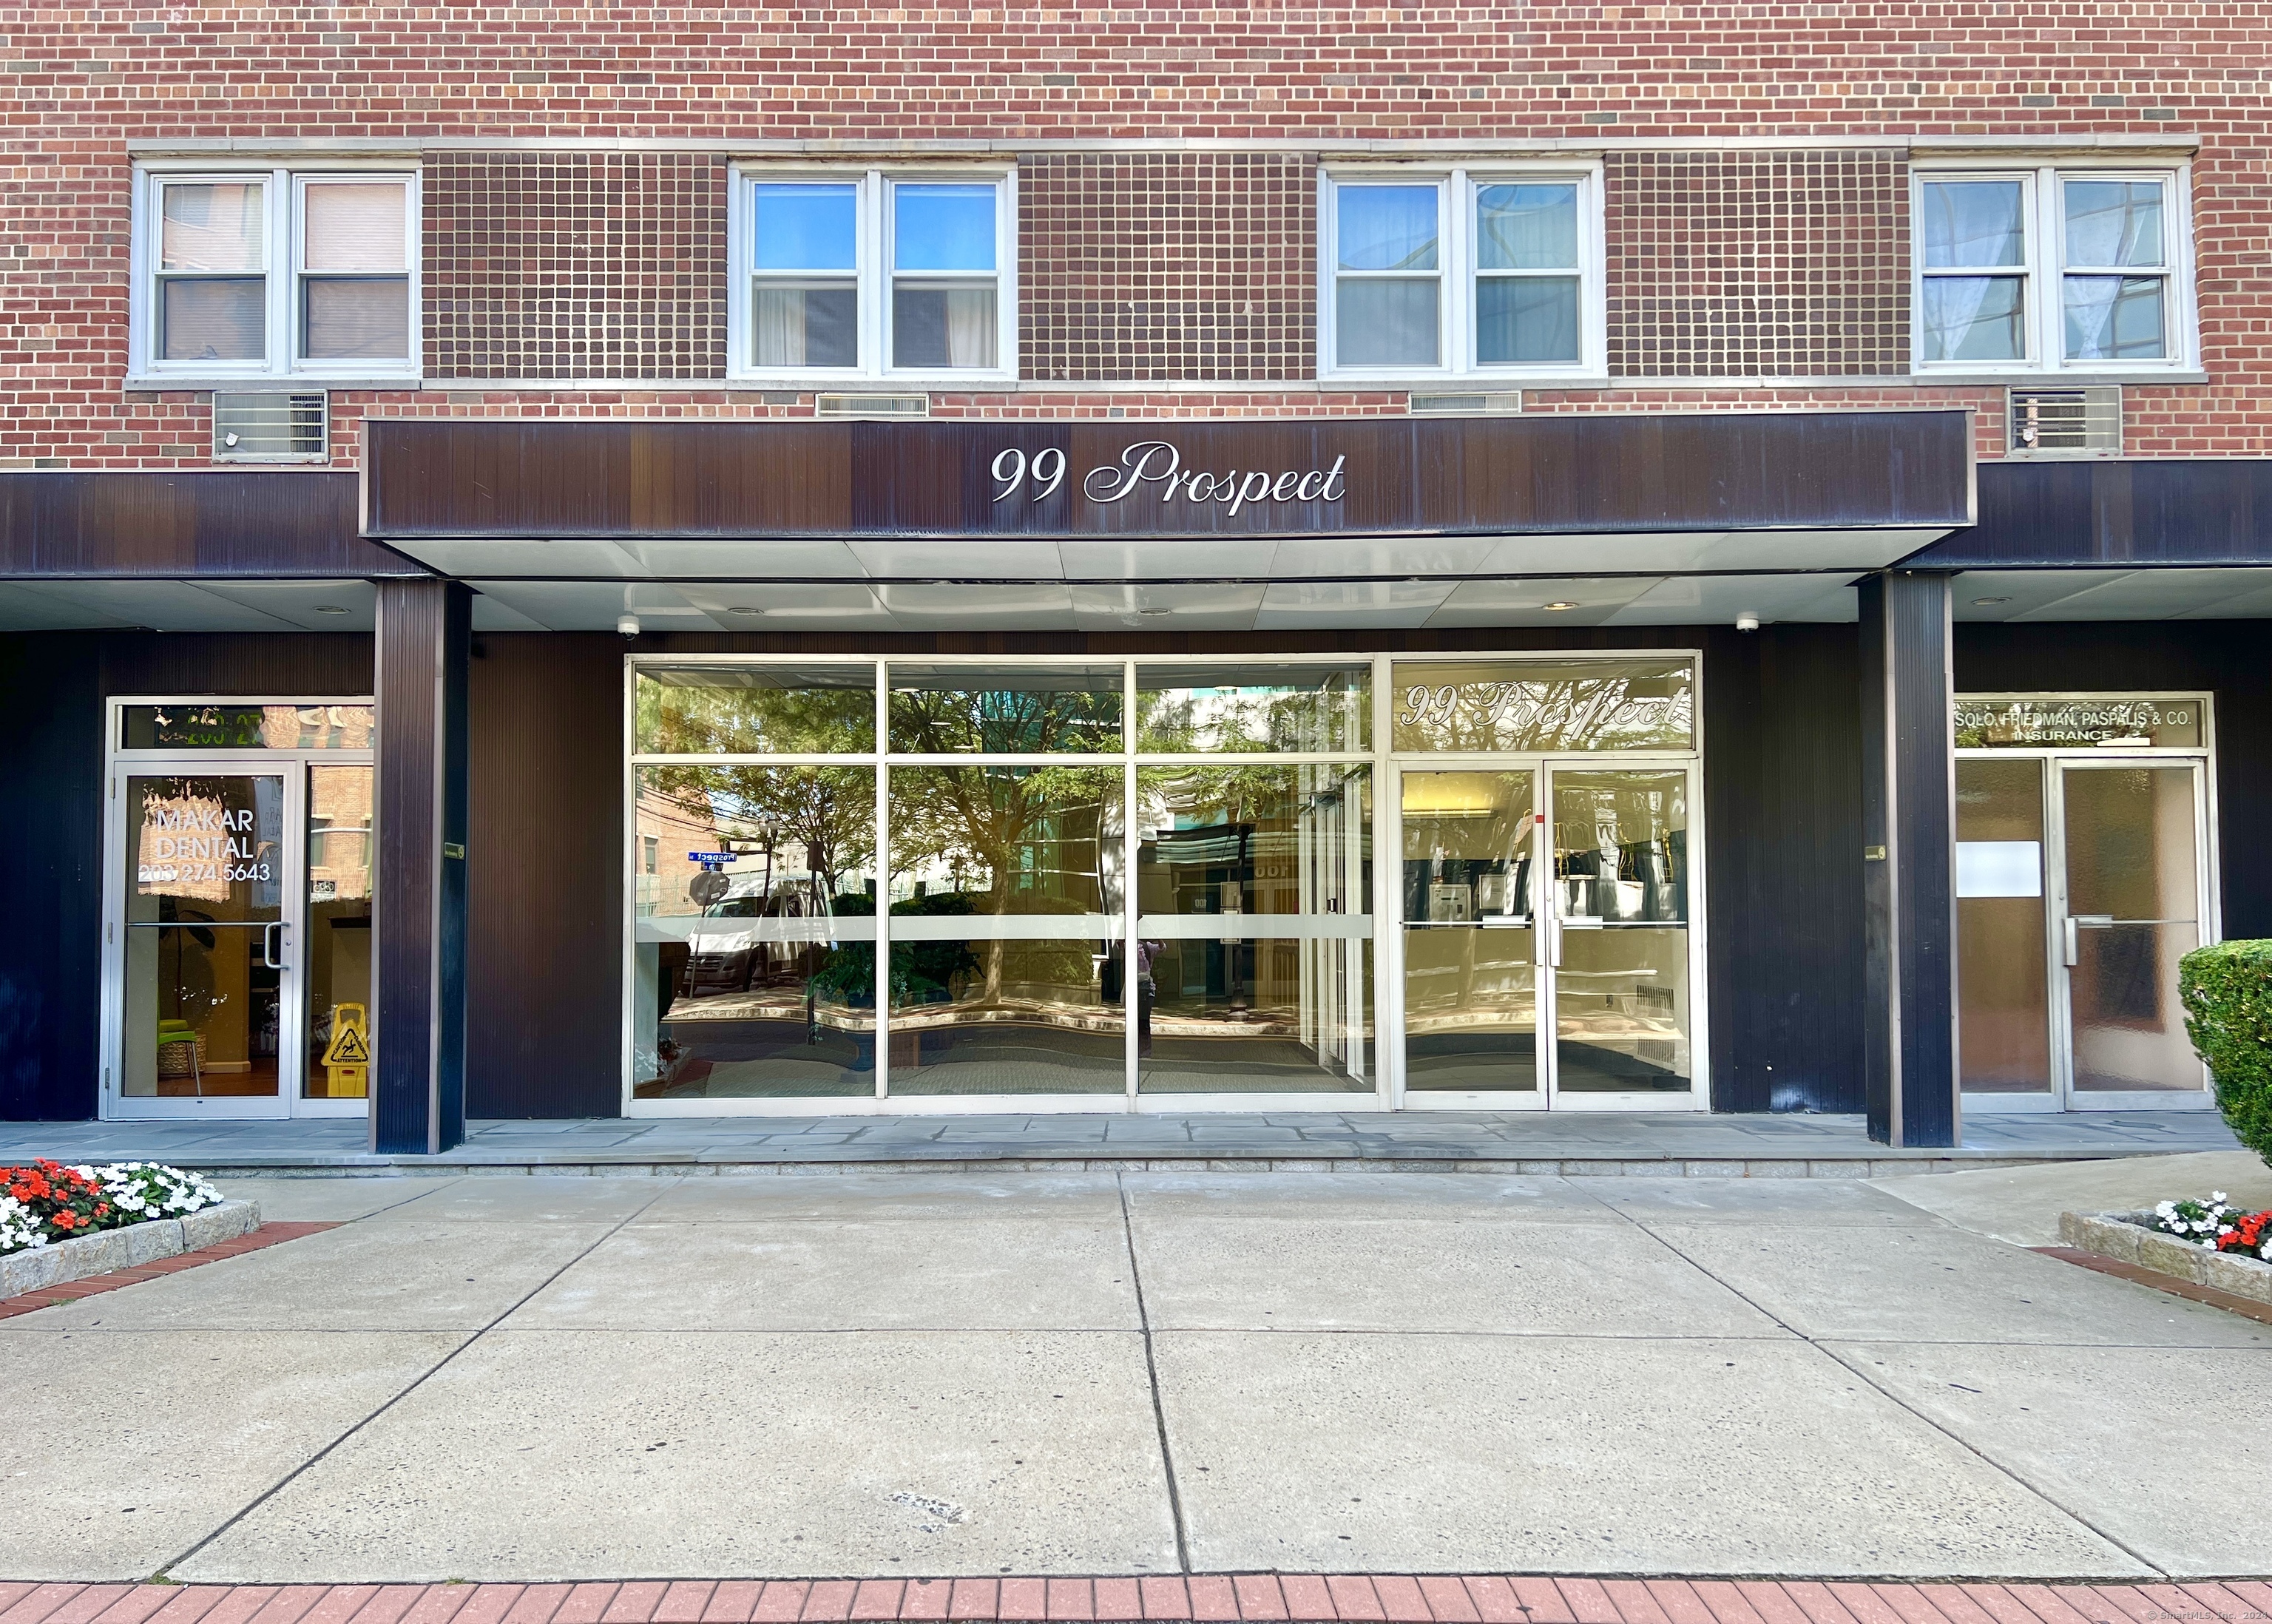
347, 1058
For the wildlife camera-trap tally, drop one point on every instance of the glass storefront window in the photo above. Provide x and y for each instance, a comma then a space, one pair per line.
1006, 840
200, 725
1470, 971
1621, 979
976, 1016
754, 971
340, 852
947, 709
1246, 706
1546, 706
733, 710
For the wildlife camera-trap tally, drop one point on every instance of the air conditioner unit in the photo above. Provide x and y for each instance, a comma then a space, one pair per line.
2065, 423
267, 426
871, 405
1496, 404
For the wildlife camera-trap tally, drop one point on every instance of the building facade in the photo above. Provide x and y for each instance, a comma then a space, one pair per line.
575, 563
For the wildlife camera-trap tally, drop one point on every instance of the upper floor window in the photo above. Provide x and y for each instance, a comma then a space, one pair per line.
276, 273
2053, 269
1468, 272
872, 273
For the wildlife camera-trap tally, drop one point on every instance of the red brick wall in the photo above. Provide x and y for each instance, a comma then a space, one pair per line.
574, 264
82, 83
1757, 264
1159, 266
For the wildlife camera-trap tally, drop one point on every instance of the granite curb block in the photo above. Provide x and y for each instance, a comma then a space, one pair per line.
107, 1251
667, 1165
2126, 1238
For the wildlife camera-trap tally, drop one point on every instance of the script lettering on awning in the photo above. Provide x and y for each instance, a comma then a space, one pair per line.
1158, 466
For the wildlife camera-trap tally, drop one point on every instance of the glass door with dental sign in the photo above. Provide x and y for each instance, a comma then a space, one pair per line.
237, 940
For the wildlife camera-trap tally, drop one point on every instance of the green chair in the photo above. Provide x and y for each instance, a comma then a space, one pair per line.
172, 1032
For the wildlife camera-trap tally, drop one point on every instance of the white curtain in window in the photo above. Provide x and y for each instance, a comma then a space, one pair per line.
780, 326
355, 226
970, 327
215, 227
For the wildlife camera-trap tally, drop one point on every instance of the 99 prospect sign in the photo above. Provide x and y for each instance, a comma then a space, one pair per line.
1088, 477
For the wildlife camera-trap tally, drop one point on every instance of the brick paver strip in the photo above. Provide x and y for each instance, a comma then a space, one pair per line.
1203, 1598
1117, 1598
1259, 1596
71, 1290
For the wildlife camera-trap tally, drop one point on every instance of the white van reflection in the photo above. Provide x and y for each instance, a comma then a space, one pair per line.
723, 952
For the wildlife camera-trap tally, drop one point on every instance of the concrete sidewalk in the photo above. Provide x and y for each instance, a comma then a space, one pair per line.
896, 1375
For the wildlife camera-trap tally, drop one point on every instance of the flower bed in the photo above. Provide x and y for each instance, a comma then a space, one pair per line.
47, 1202
2210, 1242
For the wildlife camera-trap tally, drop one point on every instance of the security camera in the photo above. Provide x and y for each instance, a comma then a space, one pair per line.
1747, 622
628, 624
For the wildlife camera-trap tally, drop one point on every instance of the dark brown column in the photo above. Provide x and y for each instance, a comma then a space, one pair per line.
418, 1081
1908, 858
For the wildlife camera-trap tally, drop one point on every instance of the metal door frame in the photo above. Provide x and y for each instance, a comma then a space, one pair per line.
121, 764
2062, 999
1545, 934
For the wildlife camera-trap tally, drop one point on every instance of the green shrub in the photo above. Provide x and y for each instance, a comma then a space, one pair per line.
2227, 996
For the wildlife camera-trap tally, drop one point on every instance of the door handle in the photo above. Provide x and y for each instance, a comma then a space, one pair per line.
272, 944
2073, 949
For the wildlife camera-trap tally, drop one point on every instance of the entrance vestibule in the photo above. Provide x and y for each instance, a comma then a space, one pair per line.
238, 943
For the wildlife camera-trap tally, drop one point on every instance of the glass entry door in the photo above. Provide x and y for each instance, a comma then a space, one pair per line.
240, 940
1544, 900
2080, 882
2134, 907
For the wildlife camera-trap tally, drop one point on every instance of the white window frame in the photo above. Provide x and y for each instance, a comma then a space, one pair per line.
1457, 269
873, 189
2043, 213
281, 243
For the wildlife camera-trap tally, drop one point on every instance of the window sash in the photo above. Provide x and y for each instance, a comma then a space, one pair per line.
281, 310
875, 285
1460, 277
2047, 274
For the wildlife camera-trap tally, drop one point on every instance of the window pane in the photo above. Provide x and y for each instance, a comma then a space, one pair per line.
1250, 707
354, 227
755, 710
1544, 704
218, 318
211, 228
1974, 318
1386, 227
756, 977
1254, 839
807, 227
1526, 227
1526, 318
1387, 323
1006, 840
357, 318
2114, 223
2114, 319
959, 709
1974, 223
805, 324
980, 1016
943, 325
206, 726
943, 227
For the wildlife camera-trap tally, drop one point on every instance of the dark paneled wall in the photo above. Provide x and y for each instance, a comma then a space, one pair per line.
52, 688
2231, 659
545, 875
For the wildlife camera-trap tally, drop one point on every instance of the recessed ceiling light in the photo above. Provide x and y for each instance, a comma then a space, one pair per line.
1985, 602
744, 609
1561, 603
330, 608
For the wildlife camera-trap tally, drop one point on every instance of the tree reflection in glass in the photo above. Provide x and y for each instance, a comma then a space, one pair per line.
979, 1004
1544, 706
958, 710
1202, 709
755, 976
719, 710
